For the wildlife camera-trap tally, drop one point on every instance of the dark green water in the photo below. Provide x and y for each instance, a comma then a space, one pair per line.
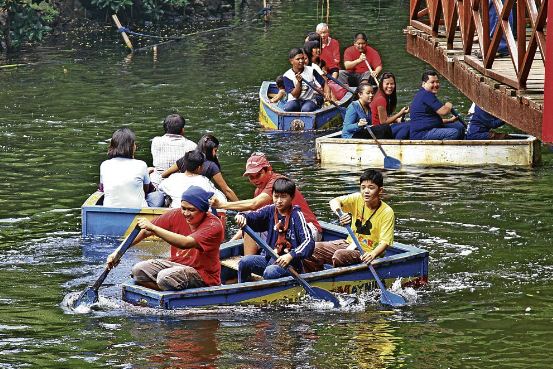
488, 230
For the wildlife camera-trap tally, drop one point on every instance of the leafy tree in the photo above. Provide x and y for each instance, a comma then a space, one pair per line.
24, 21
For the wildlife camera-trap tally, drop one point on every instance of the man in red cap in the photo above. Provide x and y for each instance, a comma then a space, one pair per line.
261, 175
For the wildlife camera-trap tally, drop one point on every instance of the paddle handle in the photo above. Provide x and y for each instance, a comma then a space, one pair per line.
361, 251
458, 116
317, 90
272, 252
123, 247
376, 140
329, 76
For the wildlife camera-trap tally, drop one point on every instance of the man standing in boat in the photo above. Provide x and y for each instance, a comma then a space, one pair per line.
170, 147
362, 63
426, 113
372, 221
260, 173
330, 49
194, 234
301, 97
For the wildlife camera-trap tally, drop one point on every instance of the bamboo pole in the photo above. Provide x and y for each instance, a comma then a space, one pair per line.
327, 10
265, 12
123, 34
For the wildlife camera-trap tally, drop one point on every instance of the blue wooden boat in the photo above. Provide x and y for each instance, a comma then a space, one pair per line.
99, 220
401, 261
274, 118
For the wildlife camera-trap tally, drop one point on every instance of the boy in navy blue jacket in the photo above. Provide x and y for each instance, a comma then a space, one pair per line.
287, 233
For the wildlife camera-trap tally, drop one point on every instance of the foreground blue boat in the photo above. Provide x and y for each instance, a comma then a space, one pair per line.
401, 261
274, 118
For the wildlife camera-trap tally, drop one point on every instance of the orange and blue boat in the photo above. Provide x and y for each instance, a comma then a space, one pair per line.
273, 117
409, 263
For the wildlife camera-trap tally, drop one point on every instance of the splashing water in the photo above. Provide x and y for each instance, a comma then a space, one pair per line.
103, 304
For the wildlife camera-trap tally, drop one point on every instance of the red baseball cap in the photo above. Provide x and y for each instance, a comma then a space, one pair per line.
255, 163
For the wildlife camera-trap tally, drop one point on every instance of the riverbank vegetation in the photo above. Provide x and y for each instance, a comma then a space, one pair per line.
25, 22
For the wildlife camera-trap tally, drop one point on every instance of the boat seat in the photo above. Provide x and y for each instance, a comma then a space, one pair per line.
232, 263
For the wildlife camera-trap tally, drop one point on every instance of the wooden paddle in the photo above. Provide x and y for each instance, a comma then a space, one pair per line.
318, 90
386, 297
337, 81
90, 295
315, 292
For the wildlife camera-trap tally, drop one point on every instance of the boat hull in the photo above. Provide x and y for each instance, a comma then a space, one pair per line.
274, 118
401, 261
332, 150
99, 220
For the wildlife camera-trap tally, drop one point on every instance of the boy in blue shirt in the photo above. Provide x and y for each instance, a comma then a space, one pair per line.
426, 113
287, 233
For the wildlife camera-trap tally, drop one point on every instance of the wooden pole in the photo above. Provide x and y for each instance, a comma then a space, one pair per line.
327, 10
123, 34
265, 11
547, 116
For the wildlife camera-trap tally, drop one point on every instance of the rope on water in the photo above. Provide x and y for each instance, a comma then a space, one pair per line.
127, 30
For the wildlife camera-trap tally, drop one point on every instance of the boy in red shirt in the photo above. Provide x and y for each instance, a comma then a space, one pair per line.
194, 234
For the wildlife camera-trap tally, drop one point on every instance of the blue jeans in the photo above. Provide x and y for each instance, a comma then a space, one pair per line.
155, 199
301, 105
400, 131
453, 131
259, 265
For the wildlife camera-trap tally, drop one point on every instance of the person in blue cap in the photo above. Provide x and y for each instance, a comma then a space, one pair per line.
194, 234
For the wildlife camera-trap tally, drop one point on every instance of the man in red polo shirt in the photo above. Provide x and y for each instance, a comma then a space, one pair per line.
194, 234
361, 61
330, 49
261, 175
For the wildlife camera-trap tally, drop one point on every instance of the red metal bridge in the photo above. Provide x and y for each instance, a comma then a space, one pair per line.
454, 37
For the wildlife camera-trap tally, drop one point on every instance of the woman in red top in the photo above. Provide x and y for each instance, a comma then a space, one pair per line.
384, 104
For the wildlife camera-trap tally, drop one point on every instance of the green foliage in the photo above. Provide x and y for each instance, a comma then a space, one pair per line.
25, 21
113, 5
153, 9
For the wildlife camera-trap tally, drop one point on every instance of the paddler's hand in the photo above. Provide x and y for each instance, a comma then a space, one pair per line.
328, 95
284, 260
215, 203
298, 77
367, 257
375, 75
362, 58
362, 122
240, 220
345, 218
144, 223
111, 262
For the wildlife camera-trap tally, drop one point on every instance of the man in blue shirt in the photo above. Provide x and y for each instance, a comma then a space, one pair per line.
426, 113
481, 124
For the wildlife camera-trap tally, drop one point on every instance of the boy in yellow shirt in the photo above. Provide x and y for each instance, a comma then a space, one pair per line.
372, 221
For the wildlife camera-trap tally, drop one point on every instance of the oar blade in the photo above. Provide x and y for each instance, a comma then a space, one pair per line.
88, 297
392, 299
322, 294
391, 163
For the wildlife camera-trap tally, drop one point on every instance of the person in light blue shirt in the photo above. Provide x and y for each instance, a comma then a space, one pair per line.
426, 113
358, 116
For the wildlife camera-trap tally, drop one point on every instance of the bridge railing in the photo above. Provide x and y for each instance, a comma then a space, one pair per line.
462, 20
